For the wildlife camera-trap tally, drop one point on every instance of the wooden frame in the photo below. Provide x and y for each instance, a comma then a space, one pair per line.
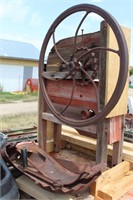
49, 128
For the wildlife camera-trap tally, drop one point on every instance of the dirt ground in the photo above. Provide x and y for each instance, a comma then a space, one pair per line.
18, 115
18, 108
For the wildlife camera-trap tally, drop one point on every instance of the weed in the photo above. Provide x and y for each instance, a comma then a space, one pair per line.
8, 97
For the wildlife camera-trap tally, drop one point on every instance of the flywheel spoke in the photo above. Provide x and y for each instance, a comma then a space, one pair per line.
57, 50
72, 94
96, 90
92, 50
76, 33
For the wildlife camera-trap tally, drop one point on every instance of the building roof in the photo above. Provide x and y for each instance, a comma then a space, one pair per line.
18, 50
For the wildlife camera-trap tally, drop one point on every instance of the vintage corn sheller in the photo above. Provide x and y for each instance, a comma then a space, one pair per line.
69, 91
82, 85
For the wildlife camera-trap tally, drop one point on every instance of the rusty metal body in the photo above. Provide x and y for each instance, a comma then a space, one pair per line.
60, 92
50, 173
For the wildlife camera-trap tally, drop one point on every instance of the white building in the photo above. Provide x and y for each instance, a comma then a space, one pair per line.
18, 62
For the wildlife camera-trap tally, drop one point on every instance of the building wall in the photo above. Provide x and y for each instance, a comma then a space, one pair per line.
35, 72
13, 76
18, 62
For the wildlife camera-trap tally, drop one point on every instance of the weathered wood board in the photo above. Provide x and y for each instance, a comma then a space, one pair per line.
114, 183
76, 141
28, 186
112, 69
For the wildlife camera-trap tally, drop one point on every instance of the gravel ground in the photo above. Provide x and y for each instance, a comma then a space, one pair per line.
18, 107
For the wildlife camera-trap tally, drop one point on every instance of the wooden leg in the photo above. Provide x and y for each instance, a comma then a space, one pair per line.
102, 139
102, 142
57, 137
117, 153
42, 139
117, 148
42, 124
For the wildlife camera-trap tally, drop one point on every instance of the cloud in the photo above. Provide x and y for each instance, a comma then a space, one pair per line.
20, 14
16, 11
35, 20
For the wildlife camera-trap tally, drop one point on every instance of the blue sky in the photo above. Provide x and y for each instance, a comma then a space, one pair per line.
29, 20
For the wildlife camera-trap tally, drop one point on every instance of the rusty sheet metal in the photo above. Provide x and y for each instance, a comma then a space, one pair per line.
48, 172
19, 135
115, 129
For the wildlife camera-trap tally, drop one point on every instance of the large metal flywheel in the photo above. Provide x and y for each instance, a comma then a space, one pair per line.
77, 64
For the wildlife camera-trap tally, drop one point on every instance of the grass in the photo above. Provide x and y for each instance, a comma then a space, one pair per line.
7, 97
18, 121
130, 86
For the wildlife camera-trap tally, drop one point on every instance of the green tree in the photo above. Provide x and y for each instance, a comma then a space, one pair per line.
131, 72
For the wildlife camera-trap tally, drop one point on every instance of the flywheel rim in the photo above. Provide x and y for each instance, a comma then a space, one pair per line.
123, 71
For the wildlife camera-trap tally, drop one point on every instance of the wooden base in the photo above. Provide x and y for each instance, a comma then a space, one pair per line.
111, 185
28, 186
114, 183
71, 136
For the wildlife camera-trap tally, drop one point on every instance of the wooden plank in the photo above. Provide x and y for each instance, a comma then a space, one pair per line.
102, 136
50, 130
28, 186
89, 152
52, 118
98, 198
110, 175
69, 129
102, 142
66, 129
102, 64
50, 145
114, 190
111, 77
42, 124
78, 140
126, 155
90, 143
128, 146
118, 145
57, 137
